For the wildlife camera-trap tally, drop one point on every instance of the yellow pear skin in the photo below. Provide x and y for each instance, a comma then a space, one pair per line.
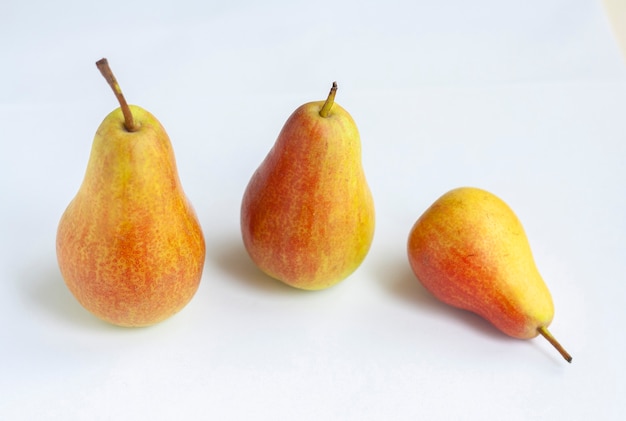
470, 250
307, 214
129, 245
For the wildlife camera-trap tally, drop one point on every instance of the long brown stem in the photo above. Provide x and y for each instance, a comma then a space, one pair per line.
325, 111
129, 122
546, 334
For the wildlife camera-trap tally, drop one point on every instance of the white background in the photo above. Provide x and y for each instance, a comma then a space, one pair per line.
525, 99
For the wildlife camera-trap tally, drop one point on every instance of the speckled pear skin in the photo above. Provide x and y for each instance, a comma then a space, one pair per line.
129, 245
307, 214
470, 250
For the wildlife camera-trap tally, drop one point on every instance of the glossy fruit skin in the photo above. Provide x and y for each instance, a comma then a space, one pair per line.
129, 245
470, 251
307, 214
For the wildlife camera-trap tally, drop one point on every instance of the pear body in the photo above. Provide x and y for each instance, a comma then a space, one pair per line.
129, 245
307, 214
470, 250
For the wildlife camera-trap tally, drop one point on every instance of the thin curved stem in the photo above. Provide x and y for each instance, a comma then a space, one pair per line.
129, 121
546, 334
325, 111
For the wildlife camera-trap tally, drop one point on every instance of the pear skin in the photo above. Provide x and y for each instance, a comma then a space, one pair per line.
470, 251
307, 214
129, 245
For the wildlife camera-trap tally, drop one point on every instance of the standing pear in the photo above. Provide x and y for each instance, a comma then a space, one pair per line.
129, 245
307, 214
470, 251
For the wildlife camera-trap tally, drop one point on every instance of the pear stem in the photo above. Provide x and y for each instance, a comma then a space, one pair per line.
546, 334
325, 111
129, 122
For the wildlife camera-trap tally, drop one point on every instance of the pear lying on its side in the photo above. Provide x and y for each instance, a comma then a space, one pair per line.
129, 245
307, 215
469, 250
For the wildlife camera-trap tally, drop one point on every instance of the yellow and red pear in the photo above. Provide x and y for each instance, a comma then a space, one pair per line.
307, 214
470, 250
129, 245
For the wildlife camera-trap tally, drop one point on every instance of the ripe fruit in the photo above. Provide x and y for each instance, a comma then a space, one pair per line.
307, 215
129, 245
470, 251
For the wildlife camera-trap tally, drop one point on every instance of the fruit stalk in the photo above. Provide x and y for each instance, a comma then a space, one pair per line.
129, 121
546, 334
325, 111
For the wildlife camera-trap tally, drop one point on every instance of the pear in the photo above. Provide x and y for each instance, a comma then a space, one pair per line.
129, 245
307, 214
470, 250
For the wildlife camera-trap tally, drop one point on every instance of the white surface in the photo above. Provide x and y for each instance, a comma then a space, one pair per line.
526, 99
